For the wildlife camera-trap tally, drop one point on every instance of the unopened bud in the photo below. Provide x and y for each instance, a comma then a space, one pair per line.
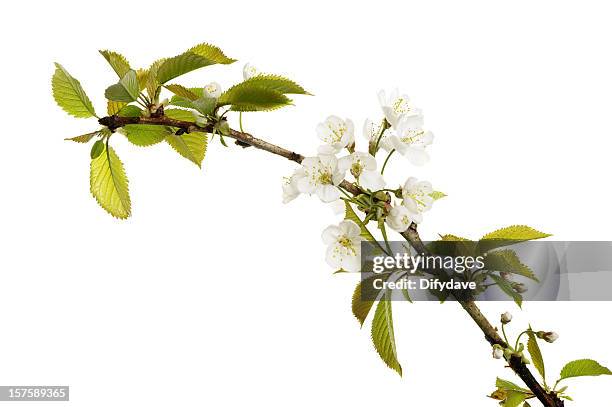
165, 102
519, 287
381, 196
498, 352
506, 317
549, 337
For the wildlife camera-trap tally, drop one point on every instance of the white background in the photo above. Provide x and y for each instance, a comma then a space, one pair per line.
214, 292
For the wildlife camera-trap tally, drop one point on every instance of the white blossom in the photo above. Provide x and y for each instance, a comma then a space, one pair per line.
498, 352
212, 90
410, 140
363, 168
336, 134
372, 132
506, 317
400, 218
320, 175
396, 106
290, 189
416, 195
249, 71
344, 245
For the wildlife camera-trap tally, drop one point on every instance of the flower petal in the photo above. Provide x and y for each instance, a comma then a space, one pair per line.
330, 234
371, 180
328, 193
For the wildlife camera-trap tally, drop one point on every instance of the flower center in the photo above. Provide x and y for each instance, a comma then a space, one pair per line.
356, 168
325, 177
338, 132
347, 244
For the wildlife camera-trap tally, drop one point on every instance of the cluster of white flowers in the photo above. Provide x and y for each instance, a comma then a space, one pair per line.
508, 352
401, 131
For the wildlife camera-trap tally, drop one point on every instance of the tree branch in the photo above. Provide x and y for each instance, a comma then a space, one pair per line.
491, 334
411, 235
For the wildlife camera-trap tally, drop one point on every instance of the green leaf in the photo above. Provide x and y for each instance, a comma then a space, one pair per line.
516, 232
113, 107
361, 308
84, 138
365, 233
152, 84
197, 57
183, 92
451, 245
507, 288
536, 354
453, 238
276, 83
514, 398
96, 149
211, 53
180, 114
437, 195
192, 146
205, 105
143, 77
146, 134
583, 367
508, 385
130, 111
383, 335
507, 261
508, 236
250, 97
69, 94
117, 61
109, 184
127, 90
